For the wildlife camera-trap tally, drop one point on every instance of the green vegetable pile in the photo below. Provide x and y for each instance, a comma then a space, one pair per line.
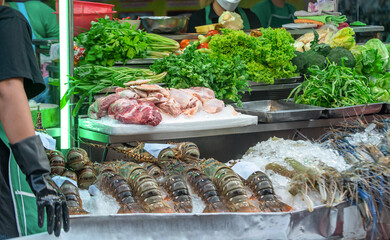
193, 68
381, 88
110, 41
319, 54
89, 80
332, 87
267, 57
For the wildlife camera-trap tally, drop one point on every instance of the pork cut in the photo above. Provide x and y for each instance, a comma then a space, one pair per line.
135, 112
100, 107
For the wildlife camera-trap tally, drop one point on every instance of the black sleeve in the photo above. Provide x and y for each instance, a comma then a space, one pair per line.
16, 51
198, 18
252, 18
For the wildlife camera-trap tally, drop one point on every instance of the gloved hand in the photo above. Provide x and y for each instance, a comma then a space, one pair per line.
32, 160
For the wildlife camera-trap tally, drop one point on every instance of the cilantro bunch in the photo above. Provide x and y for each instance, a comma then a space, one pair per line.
227, 77
267, 57
109, 41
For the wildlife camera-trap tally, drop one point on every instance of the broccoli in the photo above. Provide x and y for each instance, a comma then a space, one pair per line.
322, 49
307, 59
336, 55
299, 61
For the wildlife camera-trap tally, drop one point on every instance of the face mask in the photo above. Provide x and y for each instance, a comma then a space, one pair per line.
229, 5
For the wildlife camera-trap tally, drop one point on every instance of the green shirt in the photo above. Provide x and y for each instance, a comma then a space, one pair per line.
43, 21
262, 11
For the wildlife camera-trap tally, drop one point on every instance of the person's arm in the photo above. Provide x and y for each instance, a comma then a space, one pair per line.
18, 70
15, 113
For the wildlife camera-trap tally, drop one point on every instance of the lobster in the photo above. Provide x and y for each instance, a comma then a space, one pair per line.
77, 158
174, 185
57, 162
115, 185
200, 184
145, 187
70, 174
86, 176
262, 187
73, 200
229, 185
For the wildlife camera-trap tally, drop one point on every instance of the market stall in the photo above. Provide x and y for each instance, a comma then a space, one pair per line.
233, 121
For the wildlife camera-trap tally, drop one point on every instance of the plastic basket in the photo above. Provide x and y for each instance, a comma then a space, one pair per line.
84, 12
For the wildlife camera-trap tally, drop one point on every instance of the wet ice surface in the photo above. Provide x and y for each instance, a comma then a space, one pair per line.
369, 136
275, 150
99, 204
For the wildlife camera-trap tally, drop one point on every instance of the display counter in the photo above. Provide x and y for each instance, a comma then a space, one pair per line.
341, 221
222, 144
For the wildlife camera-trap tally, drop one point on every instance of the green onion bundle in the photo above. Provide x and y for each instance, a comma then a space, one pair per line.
332, 87
89, 80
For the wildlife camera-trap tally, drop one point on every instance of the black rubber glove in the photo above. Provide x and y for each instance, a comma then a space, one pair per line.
32, 160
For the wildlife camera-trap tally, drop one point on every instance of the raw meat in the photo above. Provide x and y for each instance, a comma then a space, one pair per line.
135, 111
213, 105
170, 107
189, 104
100, 107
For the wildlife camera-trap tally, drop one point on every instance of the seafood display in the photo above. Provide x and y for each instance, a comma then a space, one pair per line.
262, 187
145, 187
200, 184
57, 162
111, 183
230, 185
347, 164
73, 200
178, 191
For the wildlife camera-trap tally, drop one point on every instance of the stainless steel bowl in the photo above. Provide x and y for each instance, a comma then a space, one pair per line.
157, 24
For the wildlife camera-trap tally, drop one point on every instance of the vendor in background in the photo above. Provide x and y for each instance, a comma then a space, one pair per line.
274, 13
211, 13
28, 195
40, 16
44, 26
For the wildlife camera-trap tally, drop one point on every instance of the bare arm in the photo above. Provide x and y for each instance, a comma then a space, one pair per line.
15, 113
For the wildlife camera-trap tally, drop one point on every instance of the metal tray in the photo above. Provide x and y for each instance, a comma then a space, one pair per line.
279, 111
138, 61
350, 111
277, 81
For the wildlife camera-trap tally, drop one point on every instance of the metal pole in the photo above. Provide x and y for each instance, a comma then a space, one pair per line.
357, 10
66, 66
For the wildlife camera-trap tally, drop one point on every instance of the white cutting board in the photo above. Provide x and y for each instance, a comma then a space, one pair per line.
201, 121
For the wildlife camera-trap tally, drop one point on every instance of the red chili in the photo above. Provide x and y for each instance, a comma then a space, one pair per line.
184, 43
212, 33
203, 45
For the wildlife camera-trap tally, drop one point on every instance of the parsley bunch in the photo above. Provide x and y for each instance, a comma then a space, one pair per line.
109, 41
